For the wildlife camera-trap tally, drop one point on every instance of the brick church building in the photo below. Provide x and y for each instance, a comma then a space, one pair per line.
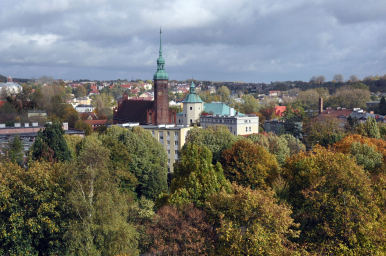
148, 112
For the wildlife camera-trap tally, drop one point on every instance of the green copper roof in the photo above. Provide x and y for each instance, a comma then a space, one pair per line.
218, 109
192, 97
160, 74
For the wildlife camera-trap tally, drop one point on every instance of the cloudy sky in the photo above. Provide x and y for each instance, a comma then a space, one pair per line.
218, 40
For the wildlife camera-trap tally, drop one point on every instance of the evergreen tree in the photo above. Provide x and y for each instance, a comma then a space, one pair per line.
50, 144
382, 106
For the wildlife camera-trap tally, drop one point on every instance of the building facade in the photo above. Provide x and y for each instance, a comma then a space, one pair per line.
237, 125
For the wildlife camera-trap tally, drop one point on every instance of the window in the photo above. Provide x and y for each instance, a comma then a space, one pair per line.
250, 128
152, 133
246, 129
191, 121
176, 143
168, 133
169, 152
249, 120
175, 152
168, 161
179, 121
191, 108
185, 115
176, 134
168, 142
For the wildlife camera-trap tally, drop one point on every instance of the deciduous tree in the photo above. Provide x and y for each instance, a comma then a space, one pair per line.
195, 178
249, 165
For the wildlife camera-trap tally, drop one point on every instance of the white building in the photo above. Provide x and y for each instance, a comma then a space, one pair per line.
216, 113
84, 108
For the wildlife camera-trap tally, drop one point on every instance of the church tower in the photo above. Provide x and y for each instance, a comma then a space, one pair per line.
161, 91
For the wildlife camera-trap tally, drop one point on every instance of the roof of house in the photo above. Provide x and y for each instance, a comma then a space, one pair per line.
337, 112
279, 110
218, 109
134, 110
96, 122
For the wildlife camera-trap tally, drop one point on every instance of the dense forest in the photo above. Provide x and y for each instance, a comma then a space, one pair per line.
109, 194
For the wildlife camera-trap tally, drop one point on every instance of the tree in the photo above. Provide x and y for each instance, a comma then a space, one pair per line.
354, 78
333, 199
295, 145
100, 226
250, 104
338, 78
348, 97
82, 125
34, 210
249, 165
195, 178
224, 92
324, 130
369, 153
369, 128
320, 79
13, 150
180, 232
80, 91
215, 138
251, 222
277, 146
147, 159
382, 106
50, 145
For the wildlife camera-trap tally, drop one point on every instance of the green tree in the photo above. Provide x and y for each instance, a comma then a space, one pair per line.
249, 165
100, 226
50, 144
295, 145
215, 138
382, 106
148, 159
278, 146
195, 178
369, 128
82, 125
13, 150
33, 209
250, 104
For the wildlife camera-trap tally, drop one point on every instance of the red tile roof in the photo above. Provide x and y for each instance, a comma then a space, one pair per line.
337, 112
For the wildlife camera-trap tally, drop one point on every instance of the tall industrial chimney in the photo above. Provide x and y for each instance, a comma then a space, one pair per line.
320, 105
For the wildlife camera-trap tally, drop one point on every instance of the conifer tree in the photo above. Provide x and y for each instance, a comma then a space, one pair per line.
50, 144
382, 106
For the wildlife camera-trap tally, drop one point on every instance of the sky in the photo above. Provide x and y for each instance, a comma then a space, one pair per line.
217, 40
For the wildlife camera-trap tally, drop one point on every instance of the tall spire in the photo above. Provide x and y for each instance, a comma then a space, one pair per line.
160, 42
160, 74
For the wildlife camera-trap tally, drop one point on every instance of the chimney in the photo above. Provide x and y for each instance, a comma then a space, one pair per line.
320, 105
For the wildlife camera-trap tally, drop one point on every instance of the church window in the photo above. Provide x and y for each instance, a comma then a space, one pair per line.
149, 119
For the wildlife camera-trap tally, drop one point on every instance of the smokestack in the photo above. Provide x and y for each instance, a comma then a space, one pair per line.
320, 105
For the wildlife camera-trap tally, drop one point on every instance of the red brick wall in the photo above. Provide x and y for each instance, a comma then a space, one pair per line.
161, 106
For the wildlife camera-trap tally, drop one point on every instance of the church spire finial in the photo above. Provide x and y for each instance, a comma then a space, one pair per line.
160, 42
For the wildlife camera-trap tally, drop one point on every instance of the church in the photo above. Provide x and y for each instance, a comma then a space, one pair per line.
148, 112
